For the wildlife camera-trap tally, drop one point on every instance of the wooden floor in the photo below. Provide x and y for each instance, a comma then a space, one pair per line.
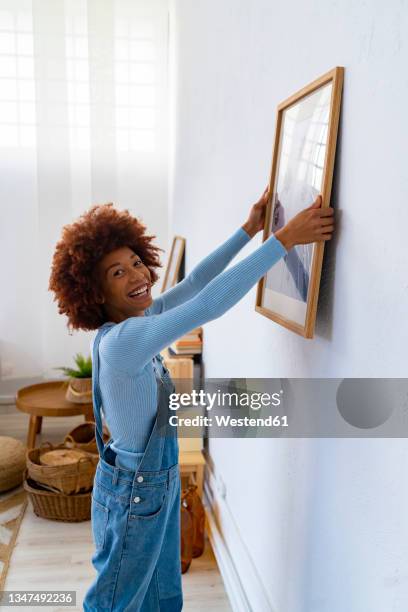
52, 555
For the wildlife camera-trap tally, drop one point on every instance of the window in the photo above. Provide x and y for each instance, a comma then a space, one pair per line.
76, 51
17, 87
135, 72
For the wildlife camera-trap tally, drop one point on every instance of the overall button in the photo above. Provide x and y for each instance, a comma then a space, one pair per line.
139, 479
136, 500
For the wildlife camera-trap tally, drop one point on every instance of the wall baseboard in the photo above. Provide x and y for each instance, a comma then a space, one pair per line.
10, 386
229, 546
8, 408
232, 583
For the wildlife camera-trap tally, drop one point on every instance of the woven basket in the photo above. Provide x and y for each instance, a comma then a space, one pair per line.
70, 478
79, 390
57, 506
12, 462
83, 437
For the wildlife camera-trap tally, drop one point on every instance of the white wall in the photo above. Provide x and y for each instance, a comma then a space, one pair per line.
322, 521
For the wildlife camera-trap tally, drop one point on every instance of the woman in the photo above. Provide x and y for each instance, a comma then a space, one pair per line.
102, 274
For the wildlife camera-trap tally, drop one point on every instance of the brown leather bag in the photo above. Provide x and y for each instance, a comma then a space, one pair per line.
197, 509
187, 532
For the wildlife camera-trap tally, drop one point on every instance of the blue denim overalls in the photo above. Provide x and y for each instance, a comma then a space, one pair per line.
136, 515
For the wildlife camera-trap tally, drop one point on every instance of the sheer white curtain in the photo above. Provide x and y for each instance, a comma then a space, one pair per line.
83, 120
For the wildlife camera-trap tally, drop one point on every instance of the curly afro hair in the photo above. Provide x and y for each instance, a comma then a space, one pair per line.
83, 244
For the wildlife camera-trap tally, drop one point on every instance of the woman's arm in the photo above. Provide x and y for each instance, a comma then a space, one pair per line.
131, 344
203, 273
214, 263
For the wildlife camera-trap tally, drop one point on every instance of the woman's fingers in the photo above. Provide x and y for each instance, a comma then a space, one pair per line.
317, 203
326, 228
327, 231
324, 212
264, 196
326, 221
324, 235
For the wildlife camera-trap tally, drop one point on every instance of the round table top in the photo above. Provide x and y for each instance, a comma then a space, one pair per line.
48, 399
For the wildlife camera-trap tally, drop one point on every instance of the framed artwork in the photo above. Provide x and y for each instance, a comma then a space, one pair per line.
302, 167
171, 276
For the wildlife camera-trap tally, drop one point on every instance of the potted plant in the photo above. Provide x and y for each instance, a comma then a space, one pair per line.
79, 388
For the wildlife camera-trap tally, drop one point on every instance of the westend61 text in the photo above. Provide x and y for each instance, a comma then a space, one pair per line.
255, 401
227, 421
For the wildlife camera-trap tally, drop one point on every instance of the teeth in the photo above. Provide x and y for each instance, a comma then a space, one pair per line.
139, 291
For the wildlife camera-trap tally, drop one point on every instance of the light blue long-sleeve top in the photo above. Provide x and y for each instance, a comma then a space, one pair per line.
126, 375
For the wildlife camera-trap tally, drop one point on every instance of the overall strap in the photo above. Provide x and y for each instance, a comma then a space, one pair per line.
96, 393
153, 454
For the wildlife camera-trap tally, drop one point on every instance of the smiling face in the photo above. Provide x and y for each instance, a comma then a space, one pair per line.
125, 283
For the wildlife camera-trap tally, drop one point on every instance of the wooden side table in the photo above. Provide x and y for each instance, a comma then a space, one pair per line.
192, 465
48, 399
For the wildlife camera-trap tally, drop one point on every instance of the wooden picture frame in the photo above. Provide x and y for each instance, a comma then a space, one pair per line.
302, 167
171, 276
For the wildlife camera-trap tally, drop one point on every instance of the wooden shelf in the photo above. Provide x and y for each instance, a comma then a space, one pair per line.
192, 465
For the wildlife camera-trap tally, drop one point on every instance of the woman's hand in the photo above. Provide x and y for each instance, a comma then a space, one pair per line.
256, 219
313, 224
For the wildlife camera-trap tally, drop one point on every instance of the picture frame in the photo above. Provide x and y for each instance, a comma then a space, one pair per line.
302, 167
174, 263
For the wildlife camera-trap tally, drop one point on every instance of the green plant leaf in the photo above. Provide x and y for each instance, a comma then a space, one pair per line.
84, 367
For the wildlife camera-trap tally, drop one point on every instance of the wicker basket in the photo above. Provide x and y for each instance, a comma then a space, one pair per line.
70, 478
12, 463
83, 437
79, 390
57, 506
